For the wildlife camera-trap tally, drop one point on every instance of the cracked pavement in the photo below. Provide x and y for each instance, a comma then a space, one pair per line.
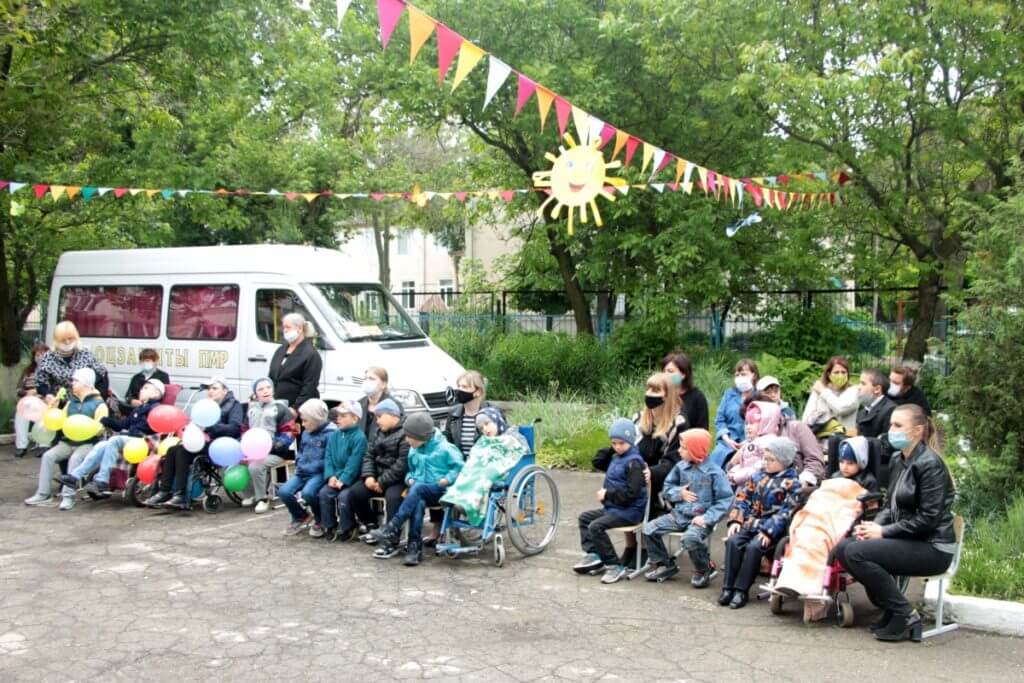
117, 592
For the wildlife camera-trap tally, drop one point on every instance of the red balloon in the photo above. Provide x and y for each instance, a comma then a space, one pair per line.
148, 470
167, 419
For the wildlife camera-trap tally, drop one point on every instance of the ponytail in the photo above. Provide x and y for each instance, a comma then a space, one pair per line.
308, 330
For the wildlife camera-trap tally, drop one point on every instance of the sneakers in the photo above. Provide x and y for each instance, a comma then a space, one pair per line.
386, 551
316, 531
178, 502
662, 572
413, 555
614, 574
72, 482
703, 579
248, 502
384, 534
157, 499
590, 563
368, 538
261, 507
39, 500
295, 527
98, 488
66, 503
343, 536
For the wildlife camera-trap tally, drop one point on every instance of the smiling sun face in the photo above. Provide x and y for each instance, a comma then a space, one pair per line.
576, 179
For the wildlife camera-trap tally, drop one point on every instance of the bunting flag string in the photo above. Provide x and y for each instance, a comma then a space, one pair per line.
451, 44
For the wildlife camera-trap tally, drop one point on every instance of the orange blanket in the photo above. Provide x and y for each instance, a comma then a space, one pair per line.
816, 529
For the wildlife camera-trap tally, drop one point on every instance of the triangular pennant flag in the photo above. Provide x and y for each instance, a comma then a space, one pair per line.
40, 190
167, 194
688, 187
607, 133
273, 193
648, 155
756, 191
56, 191
3, 184
133, 190
469, 56
448, 44
526, 90
149, 193
623, 189
342, 9
783, 179
596, 129
103, 190
182, 193
738, 187
310, 196
821, 175
621, 138
562, 111
508, 195
420, 28
461, 196
388, 13
688, 174
658, 187
674, 187
292, 196
680, 169
581, 120
665, 161
702, 173
658, 161
88, 192
496, 77
712, 179
73, 190
14, 187
631, 146
544, 99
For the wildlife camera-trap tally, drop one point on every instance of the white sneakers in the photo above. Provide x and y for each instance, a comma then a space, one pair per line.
247, 502
67, 503
261, 507
39, 500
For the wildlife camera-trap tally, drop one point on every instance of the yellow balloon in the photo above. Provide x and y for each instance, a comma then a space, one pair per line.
80, 428
53, 419
135, 451
167, 444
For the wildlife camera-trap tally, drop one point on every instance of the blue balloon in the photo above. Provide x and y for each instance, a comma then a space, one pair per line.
206, 413
225, 452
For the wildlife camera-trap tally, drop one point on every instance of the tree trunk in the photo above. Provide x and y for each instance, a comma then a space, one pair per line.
10, 330
567, 269
928, 289
382, 241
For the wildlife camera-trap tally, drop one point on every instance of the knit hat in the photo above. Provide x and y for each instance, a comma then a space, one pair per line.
697, 443
855, 449
261, 380
387, 407
314, 410
782, 448
158, 385
623, 430
350, 408
768, 381
86, 376
492, 414
419, 426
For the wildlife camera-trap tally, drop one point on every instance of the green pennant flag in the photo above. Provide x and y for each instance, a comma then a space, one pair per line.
88, 193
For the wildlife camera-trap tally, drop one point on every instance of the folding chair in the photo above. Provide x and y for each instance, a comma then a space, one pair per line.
902, 582
637, 531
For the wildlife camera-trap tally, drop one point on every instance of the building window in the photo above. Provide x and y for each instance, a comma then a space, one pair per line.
403, 240
409, 294
447, 291
271, 306
203, 312
129, 312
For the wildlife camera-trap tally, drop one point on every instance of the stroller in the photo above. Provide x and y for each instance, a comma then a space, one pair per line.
836, 580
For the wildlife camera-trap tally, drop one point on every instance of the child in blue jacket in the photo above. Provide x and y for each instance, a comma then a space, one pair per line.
433, 466
309, 466
623, 497
698, 491
345, 450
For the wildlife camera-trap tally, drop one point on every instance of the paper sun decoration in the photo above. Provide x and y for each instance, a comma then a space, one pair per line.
576, 179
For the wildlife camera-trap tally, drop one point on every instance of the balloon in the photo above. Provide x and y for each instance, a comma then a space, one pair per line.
236, 478
41, 435
53, 419
166, 445
148, 470
31, 408
256, 444
167, 419
193, 439
206, 413
135, 451
81, 428
225, 452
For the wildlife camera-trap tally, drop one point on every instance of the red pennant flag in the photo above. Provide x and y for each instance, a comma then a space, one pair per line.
291, 196
609, 189
631, 146
843, 178
120, 191
562, 111
607, 133
664, 162
388, 12
674, 186
40, 190
526, 90
712, 185
507, 195
756, 191
783, 180
832, 198
377, 196
3, 184
461, 196
448, 44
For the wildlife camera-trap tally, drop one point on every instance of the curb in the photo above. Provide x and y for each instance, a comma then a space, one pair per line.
6, 439
982, 614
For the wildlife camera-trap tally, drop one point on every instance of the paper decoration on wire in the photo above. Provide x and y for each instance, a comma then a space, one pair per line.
742, 223
576, 179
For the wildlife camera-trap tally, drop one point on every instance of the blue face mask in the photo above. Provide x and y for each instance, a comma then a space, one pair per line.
677, 379
899, 439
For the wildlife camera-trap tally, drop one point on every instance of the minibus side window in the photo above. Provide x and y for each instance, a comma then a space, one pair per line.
203, 312
274, 304
113, 312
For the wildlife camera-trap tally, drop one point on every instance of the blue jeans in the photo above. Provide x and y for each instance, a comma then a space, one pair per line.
104, 455
309, 486
414, 506
694, 541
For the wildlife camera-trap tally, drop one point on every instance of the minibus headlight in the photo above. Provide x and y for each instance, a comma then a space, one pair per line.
409, 399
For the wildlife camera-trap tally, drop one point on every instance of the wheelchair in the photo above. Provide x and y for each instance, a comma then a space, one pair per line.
524, 504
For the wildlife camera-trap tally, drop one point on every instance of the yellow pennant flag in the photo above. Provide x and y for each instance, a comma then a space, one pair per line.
680, 169
648, 155
621, 138
420, 28
469, 56
56, 191
310, 196
544, 99
151, 193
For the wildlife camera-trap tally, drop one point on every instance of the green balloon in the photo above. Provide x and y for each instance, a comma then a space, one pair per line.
236, 478
41, 435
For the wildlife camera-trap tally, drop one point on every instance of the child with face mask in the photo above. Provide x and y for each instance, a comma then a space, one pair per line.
149, 360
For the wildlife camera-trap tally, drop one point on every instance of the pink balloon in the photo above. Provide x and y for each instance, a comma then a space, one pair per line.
256, 444
31, 408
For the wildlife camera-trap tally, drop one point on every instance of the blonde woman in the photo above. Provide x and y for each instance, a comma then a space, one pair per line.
375, 390
470, 399
58, 365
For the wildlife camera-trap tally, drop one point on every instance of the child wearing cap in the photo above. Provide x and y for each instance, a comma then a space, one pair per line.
853, 463
761, 420
345, 450
106, 454
84, 400
623, 498
771, 389
309, 467
383, 474
434, 465
699, 494
758, 519
272, 415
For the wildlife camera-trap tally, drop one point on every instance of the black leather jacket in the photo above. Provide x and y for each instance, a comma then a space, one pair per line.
919, 504
387, 458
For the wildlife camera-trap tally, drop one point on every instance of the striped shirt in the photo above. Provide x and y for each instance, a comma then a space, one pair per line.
467, 437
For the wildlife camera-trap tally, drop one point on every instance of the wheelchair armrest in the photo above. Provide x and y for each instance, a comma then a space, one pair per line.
871, 503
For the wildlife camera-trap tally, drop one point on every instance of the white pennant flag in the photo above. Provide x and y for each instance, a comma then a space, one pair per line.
623, 189
342, 8
659, 187
687, 175
596, 128
739, 192
14, 187
103, 190
659, 156
496, 76
182, 193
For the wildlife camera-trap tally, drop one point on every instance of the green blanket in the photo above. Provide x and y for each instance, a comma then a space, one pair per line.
489, 460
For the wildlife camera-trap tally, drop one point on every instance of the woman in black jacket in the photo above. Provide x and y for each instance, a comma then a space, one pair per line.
912, 535
694, 406
296, 366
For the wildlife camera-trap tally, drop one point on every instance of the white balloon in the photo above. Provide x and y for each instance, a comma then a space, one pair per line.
193, 438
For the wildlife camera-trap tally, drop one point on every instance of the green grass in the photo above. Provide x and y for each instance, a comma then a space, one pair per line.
992, 565
7, 409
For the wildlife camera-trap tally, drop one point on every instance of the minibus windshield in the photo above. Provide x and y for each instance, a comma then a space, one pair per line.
362, 312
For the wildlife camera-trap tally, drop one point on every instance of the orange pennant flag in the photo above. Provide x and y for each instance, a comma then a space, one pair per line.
420, 28
469, 56
648, 155
680, 169
621, 138
544, 100
73, 190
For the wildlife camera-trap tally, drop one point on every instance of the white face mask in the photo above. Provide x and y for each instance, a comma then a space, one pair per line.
743, 383
68, 348
371, 387
148, 367
290, 336
895, 389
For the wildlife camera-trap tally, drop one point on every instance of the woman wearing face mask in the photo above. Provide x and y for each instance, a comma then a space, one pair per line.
730, 428
27, 387
296, 366
832, 406
912, 534
694, 404
57, 366
469, 400
375, 390
148, 358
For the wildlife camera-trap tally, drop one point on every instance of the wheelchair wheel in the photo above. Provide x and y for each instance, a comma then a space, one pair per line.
212, 503
844, 610
531, 510
775, 603
133, 489
499, 551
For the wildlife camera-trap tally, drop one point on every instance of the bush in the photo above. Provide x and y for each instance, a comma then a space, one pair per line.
570, 430
560, 364
641, 344
993, 561
811, 333
469, 344
795, 376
